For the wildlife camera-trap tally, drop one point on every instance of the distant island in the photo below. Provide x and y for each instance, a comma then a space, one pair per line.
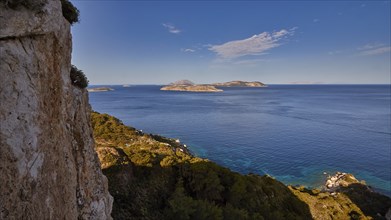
188, 86
191, 88
100, 89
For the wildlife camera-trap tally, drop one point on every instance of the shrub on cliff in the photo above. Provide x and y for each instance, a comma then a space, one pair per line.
34, 5
70, 12
78, 78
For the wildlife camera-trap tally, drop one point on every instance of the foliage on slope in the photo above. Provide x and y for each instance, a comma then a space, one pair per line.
356, 201
159, 179
325, 206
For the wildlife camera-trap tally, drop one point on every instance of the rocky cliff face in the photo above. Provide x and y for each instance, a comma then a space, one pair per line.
48, 166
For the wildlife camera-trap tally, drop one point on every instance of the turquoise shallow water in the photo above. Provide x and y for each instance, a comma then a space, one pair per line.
292, 132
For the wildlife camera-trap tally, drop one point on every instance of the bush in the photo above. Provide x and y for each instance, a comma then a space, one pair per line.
78, 78
33, 5
70, 12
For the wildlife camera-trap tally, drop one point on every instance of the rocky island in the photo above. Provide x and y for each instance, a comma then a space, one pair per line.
100, 89
188, 86
191, 88
239, 84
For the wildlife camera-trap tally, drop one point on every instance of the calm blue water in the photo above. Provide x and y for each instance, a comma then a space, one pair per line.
292, 132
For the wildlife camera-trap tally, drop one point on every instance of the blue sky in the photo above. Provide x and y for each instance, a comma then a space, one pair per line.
275, 42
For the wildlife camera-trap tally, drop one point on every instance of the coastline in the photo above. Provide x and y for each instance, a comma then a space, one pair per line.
305, 175
126, 151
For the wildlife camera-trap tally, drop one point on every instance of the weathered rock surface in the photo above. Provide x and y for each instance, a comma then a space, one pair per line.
48, 166
341, 180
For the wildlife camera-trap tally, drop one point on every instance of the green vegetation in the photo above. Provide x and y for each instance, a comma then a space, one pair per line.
34, 5
356, 201
153, 177
70, 12
160, 179
78, 78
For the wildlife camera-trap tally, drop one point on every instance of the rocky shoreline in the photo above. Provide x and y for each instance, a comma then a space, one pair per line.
239, 84
339, 180
342, 196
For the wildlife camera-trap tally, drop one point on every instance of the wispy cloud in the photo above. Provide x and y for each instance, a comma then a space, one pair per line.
373, 49
370, 46
255, 45
365, 50
377, 51
171, 28
188, 50
315, 20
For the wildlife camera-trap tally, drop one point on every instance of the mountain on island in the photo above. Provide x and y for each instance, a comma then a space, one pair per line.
182, 82
238, 83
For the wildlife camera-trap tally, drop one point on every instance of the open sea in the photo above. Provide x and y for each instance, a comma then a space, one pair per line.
294, 133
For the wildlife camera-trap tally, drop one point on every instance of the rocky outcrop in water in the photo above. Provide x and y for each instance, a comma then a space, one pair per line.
188, 86
191, 88
100, 89
48, 166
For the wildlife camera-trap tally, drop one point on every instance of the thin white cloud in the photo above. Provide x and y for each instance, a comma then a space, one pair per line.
315, 20
187, 50
255, 45
373, 49
377, 51
370, 46
171, 28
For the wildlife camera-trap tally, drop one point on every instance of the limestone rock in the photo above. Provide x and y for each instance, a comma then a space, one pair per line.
388, 214
48, 166
340, 179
